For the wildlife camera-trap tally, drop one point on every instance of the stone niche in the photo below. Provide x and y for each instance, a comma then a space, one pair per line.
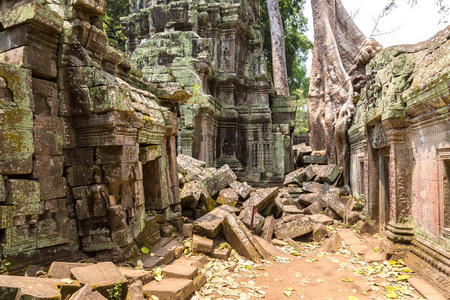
400, 152
214, 50
80, 137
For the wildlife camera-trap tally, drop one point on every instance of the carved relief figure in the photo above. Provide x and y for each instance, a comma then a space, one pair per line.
99, 200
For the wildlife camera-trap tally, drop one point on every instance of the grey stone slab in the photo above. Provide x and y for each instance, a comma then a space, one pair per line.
210, 224
219, 180
170, 289
292, 226
262, 198
62, 269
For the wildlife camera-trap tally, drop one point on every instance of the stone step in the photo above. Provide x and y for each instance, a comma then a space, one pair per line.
170, 289
164, 252
180, 271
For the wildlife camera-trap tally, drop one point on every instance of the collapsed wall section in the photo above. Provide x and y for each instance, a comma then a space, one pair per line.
81, 135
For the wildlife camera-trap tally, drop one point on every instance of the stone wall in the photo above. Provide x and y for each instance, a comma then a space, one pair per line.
400, 150
80, 134
214, 50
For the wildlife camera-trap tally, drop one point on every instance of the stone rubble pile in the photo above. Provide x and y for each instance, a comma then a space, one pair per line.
221, 213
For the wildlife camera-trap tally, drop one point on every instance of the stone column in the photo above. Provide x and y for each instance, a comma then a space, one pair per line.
399, 228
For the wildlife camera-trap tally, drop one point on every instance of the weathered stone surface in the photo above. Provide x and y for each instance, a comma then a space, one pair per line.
135, 291
246, 217
271, 249
164, 253
331, 214
198, 261
292, 209
262, 198
133, 275
327, 173
299, 151
336, 205
267, 230
242, 189
332, 244
82, 293
314, 159
210, 224
259, 249
298, 177
309, 198
292, 226
192, 193
315, 208
219, 180
187, 229
199, 281
220, 253
228, 196
314, 187
201, 244
33, 287
321, 219
62, 269
237, 238
170, 289
319, 232
100, 276
180, 271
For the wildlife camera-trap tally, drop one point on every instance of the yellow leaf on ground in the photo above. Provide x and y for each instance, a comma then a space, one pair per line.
288, 288
403, 277
391, 295
353, 298
287, 293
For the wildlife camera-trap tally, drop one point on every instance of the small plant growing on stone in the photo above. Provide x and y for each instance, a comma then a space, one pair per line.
115, 293
197, 91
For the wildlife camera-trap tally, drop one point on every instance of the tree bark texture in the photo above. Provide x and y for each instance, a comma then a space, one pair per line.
280, 79
340, 55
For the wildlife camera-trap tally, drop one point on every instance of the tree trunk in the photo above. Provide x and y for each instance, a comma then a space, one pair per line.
340, 55
278, 49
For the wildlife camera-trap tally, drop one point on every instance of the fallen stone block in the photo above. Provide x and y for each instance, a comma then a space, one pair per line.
180, 271
336, 205
310, 172
300, 150
294, 244
136, 291
294, 191
314, 187
219, 180
284, 198
170, 289
271, 249
191, 168
267, 230
62, 270
192, 193
292, 226
201, 244
237, 238
198, 261
332, 244
331, 214
101, 276
211, 224
218, 253
262, 198
315, 208
133, 275
308, 199
86, 293
314, 159
246, 217
321, 219
164, 253
319, 233
327, 173
298, 176
351, 217
242, 189
199, 281
34, 287
228, 197
187, 230
291, 209
364, 227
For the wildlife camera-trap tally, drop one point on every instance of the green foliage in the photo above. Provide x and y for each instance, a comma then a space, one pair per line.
114, 9
297, 44
301, 115
115, 293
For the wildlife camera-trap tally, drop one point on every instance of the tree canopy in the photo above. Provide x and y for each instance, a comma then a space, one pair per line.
114, 10
297, 44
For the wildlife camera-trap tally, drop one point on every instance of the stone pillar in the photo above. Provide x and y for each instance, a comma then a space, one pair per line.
399, 228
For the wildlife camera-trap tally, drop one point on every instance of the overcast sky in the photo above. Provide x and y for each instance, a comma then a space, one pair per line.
410, 24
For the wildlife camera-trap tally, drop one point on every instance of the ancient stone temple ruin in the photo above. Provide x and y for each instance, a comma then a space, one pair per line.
214, 49
397, 145
79, 135
400, 152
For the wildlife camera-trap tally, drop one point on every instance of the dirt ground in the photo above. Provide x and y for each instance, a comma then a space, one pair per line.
311, 275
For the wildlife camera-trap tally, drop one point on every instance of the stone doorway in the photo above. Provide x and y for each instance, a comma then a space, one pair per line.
446, 195
151, 172
383, 175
